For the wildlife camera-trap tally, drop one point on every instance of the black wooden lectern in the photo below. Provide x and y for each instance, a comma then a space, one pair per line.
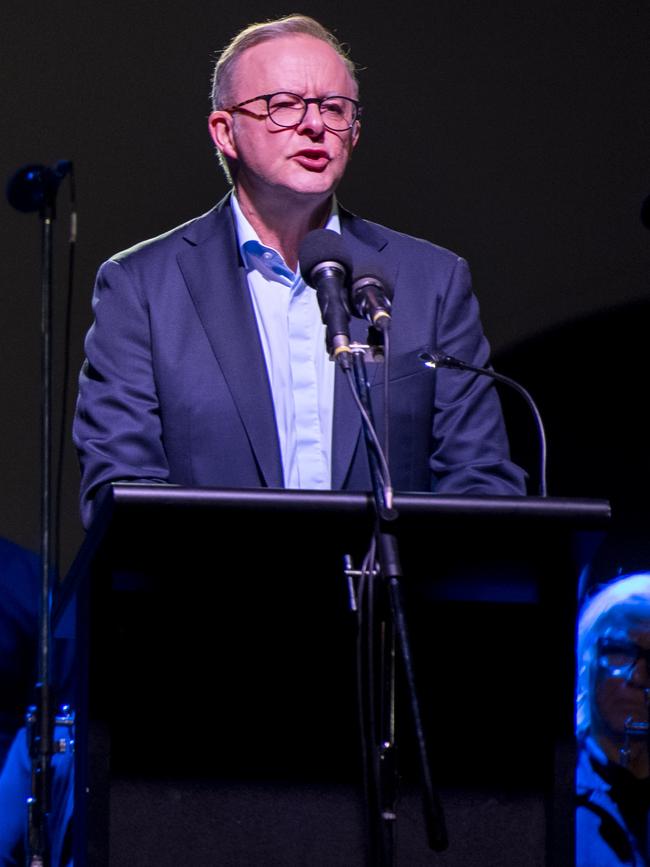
216, 652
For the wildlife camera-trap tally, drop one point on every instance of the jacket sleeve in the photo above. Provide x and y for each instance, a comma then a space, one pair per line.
117, 427
470, 447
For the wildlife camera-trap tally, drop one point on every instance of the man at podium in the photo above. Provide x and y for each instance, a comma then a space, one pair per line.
206, 363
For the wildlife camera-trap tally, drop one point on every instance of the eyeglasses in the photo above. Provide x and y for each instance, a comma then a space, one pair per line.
288, 109
619, 656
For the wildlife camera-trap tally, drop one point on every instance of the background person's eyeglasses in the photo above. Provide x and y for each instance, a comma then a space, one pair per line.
618, 657
288, 109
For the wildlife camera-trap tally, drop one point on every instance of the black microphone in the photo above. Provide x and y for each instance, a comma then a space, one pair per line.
34, 186
325, 265
370, 296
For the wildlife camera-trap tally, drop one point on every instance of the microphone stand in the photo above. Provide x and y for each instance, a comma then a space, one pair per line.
389, 625
33, 188
40, 721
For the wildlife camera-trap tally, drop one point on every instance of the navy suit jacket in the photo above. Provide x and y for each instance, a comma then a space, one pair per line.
174, 388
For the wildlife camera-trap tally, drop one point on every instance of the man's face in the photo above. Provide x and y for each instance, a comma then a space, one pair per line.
306, 160
622, 677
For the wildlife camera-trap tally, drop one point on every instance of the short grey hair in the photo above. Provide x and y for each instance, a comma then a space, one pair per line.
622, 603
255, 34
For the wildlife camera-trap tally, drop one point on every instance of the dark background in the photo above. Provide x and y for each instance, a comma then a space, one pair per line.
515, 133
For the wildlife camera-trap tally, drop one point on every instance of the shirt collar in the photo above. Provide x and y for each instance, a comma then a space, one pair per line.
266, 260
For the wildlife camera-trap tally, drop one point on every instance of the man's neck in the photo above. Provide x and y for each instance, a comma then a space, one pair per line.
281, 224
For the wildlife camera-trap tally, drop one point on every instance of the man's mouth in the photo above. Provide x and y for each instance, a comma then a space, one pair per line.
314, 159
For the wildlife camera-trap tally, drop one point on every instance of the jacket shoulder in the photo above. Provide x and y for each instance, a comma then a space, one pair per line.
174, 241
399, 243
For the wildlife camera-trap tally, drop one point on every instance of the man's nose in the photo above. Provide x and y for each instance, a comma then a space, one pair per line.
312, 122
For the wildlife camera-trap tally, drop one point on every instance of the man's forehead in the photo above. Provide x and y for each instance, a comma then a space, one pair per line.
293, 61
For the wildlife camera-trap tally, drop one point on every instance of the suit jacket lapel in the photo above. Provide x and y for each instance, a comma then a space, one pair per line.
216, 280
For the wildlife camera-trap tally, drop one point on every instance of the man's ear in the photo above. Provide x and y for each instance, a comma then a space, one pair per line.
356, 132
354, 137
220, 124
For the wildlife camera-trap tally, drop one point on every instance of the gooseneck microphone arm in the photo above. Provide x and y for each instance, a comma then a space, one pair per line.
440, 359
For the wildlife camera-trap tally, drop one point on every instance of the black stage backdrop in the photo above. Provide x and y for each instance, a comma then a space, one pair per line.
515, 133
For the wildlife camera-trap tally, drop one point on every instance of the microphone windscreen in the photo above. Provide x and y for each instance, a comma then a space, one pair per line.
28, 189
322, 245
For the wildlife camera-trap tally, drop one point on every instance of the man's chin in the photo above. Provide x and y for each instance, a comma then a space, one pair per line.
308, 191
313, 181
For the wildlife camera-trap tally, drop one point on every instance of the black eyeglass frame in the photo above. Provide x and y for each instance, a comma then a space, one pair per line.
307, 101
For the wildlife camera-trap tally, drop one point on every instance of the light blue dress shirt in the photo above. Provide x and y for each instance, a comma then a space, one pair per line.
300, 372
